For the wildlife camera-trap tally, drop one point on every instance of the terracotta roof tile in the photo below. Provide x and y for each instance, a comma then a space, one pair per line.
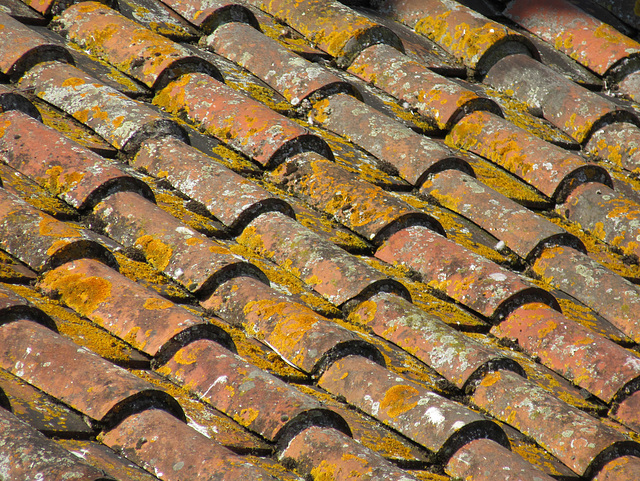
157, 17
22, 48
27, 454
10, 99
618, 143
122, 121
621, 469
214, 13
293, 77
228, 196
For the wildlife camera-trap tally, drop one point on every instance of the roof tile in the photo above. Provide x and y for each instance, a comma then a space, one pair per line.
432, 95
339, 277
457, 357
431, 420
484, 460
122, 121
415, 156
212, 14
287, 73
66, 169
22, 48
246, 125
133, 49
11, 99
618, 142
624, 468
188, 257
464, 276
570, 107
571, 30
257, 400
626, 410
596, 364
328, 452
575, 438
95, 387
174, 451
303, 338
550, 169
480, 44
27, 454
357, 204
157, 17
227, 195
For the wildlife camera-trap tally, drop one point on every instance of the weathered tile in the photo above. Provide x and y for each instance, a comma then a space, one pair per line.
630, 86
253, 398
626, 410
596, 364
27, 454
624, 468
98, 389
325, 452
433, 421
228, 196
212, 14
133, 49
22, 12
573, 31
432, 95
553, 171
157, 17
415, 156
483, 459
11, 99
21, 48
293, 77
69, 171
246, 125
457, 357
619, 143
359, 205
174, 451
188, 257
575, 438
479, 45
338, 276
468, 278
123, 122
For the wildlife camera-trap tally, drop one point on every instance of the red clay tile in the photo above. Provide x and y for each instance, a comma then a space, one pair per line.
174, 451
433, 421
580, 441
609, 215
596, 364
333, 27
302, 337
246, 125
21, 48
228, 196
619, 143
212, 14
570, 107
414, 155
287, 73
630, 86
591, 42
121, 121
434, 96
11, 99
133, 49
625, 468
14, 306
553, 171
39, 410
612, 296
497, 214
357, 204
98, 389
27, 454
66, 169
101, 457
324, 452
479, 44
188, 257
159, 18
468, 278
147, 321
486, 460
39, 240
258, 401
627, 411
452, 354
329, 270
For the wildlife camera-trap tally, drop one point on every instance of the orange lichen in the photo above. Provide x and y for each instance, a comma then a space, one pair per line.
157, 252
398, 400
83, 294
